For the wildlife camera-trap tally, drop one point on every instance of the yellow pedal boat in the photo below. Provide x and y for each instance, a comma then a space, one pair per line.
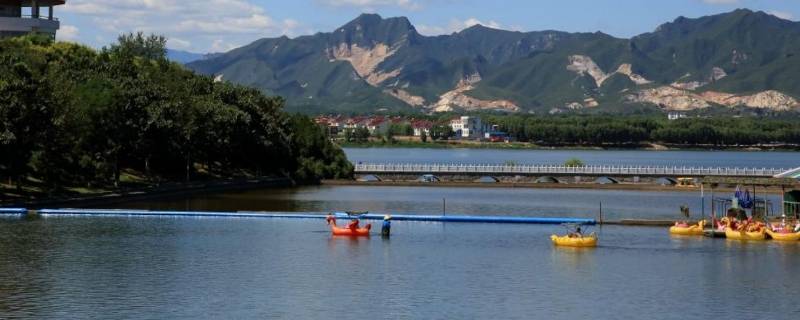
794, 236
744, 235
567, 241
693, 230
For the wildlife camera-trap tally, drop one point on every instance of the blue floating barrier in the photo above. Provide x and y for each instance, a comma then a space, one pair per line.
339, 215
13, 211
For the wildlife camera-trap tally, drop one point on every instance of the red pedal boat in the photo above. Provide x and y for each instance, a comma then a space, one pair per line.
351, 230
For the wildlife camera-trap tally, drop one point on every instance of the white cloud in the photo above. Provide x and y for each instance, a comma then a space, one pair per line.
220, 45
782, 14
194, 25
68, 33
370, 5
456, 26
177, 43
721, 1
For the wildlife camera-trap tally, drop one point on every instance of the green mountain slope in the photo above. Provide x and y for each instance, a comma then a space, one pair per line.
740, 58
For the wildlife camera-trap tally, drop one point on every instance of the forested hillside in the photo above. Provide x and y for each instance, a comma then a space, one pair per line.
71, 115
737, 59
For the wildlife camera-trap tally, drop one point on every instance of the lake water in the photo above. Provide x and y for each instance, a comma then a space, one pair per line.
578, 203
256, 268
786, 160
218, 268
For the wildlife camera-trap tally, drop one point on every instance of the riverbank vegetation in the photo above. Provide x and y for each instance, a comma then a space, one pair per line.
608, 131
74, 116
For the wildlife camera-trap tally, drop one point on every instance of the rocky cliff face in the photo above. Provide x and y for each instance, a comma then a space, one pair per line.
678, 99
458, 98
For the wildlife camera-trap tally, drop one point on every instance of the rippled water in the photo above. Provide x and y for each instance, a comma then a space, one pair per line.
583, 203
592, 157
246, 268
215, 268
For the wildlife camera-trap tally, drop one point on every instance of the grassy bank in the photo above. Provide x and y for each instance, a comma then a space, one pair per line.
132, 188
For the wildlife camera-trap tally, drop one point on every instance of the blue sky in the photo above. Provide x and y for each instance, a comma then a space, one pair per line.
220, 25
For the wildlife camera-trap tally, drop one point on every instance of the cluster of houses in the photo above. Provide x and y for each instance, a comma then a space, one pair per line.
463, 127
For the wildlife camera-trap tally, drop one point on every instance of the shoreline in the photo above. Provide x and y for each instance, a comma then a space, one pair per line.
531, 146
149, 193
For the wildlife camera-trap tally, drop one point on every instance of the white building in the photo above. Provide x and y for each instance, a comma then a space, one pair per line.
20, 17
673, 115
467, 127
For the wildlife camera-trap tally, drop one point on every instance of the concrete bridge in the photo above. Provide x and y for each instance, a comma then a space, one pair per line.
411, 171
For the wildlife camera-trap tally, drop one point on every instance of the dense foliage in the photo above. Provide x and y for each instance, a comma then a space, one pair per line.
73, 115
607, 130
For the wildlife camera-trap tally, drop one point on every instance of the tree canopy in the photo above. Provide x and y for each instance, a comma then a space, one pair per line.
70, 114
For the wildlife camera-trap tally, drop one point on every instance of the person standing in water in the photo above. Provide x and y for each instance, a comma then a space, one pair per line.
386, 229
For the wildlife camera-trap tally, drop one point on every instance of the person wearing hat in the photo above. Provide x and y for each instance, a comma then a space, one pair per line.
386, 229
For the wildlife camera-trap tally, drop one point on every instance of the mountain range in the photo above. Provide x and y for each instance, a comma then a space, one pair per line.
186, 57
740, 59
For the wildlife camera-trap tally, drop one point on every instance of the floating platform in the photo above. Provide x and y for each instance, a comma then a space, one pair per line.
248, 214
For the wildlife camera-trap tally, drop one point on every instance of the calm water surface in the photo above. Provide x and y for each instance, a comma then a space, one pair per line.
236, 268
212, 268
584, 203
592, 157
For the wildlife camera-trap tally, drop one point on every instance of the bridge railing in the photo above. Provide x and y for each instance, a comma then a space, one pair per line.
560, 169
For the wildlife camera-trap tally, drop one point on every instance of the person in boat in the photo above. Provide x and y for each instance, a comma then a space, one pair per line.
576, 234
386, 228
353, 225
797, 227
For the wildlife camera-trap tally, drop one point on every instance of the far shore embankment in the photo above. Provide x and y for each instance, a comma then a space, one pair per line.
586, 186
149, 193
473, 144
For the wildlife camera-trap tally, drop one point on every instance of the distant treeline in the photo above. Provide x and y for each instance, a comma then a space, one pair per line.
604, 130
72, 115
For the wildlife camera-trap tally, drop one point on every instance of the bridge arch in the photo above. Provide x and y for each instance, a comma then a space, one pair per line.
487, 179
370, 178
547, 179
606, 180
666, 181
428, 178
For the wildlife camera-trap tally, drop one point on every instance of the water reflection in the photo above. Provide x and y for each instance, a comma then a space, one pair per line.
429, 200
66, 267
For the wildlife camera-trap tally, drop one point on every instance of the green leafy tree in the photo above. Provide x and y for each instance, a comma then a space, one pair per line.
441, 132
71, 115
574, 163
152, 47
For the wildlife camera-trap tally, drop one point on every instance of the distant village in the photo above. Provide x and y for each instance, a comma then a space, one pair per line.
458, 128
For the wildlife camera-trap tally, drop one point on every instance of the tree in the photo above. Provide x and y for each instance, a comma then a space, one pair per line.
361, 135
25, 117
574, 163
348, 135
71, 115
152, 47
441, 132
423, 136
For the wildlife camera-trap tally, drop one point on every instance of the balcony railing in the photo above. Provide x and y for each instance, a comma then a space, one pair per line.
29, 16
